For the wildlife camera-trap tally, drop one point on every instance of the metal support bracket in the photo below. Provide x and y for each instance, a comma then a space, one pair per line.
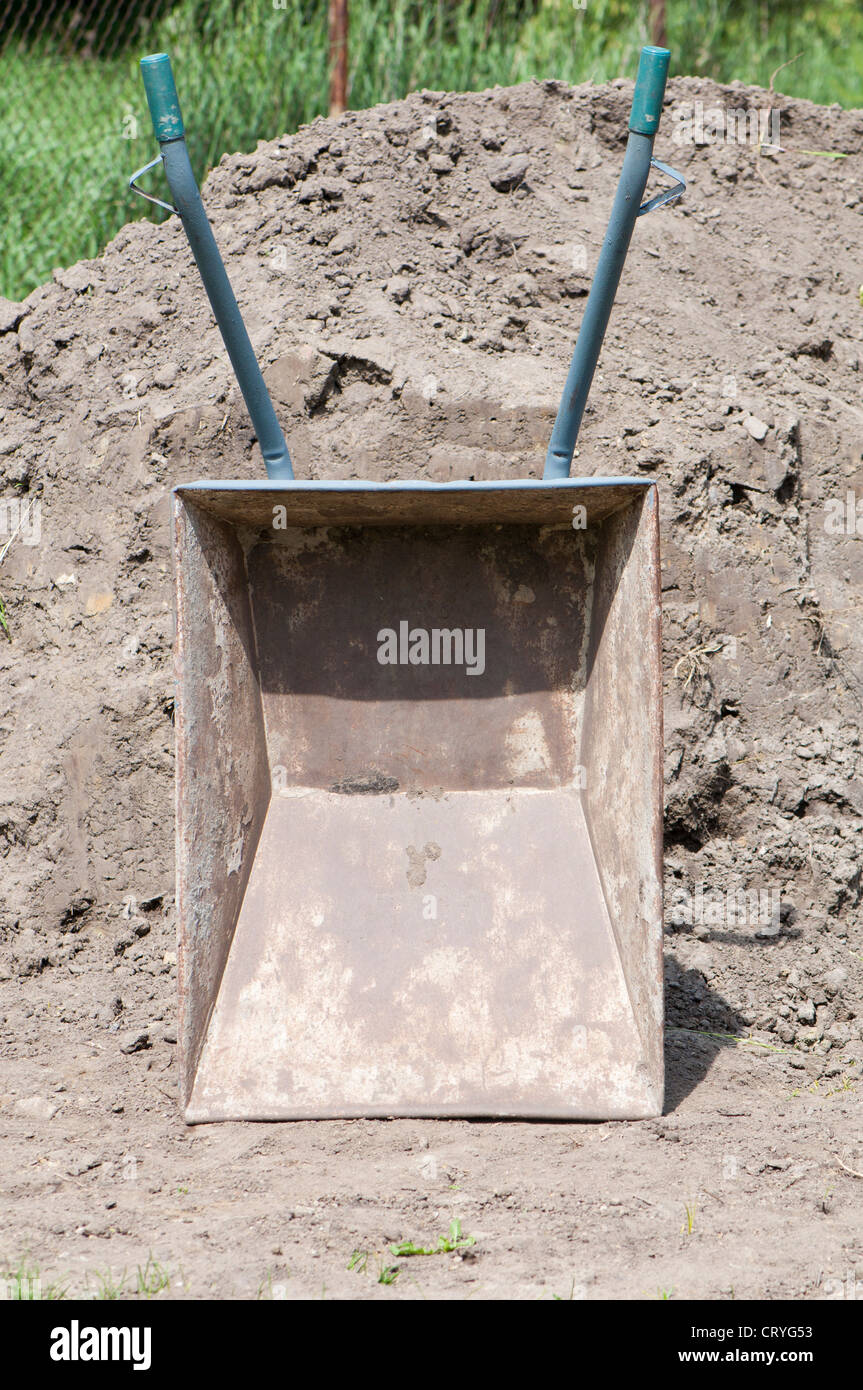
169, 207
670, 195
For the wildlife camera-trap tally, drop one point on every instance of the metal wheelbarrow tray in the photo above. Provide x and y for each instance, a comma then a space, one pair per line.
417, 889
419, 748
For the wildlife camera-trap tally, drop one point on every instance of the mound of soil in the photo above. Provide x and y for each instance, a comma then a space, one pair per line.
413, 278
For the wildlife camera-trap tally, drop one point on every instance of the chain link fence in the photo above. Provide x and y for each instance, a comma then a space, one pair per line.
70, 128
73, 116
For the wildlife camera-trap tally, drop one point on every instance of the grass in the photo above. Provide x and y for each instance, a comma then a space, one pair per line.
843, 1086
359, 1261
73, 129
826, 154
25, 1285
108, 1287
734, 1040
152, 1279
267, 1291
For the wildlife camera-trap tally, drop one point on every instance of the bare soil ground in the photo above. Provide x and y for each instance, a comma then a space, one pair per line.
413, 278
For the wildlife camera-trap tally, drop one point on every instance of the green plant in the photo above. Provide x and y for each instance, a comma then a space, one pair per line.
445, 1244
843, 1084
152, 1279
109, 1288
826, 154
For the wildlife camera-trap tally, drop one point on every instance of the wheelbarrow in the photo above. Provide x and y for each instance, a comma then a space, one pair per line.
419, 771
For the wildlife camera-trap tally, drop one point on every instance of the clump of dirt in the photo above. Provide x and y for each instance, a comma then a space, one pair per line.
413, 279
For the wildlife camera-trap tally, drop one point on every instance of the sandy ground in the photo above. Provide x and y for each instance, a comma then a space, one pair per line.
737, 1192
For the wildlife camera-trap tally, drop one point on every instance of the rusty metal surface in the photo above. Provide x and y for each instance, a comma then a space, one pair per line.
336, 717
416, 888
621, 752
222, 779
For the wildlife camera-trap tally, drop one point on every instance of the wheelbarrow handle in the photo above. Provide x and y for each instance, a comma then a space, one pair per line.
162, 97
643, 125
649, 90
168, 126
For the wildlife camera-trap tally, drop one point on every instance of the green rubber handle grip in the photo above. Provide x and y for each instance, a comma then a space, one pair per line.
649, 90
162, 97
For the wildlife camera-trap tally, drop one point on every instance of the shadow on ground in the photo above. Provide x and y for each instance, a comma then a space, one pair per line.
698, 1023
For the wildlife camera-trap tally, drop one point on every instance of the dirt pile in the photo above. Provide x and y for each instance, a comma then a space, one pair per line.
413, 278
